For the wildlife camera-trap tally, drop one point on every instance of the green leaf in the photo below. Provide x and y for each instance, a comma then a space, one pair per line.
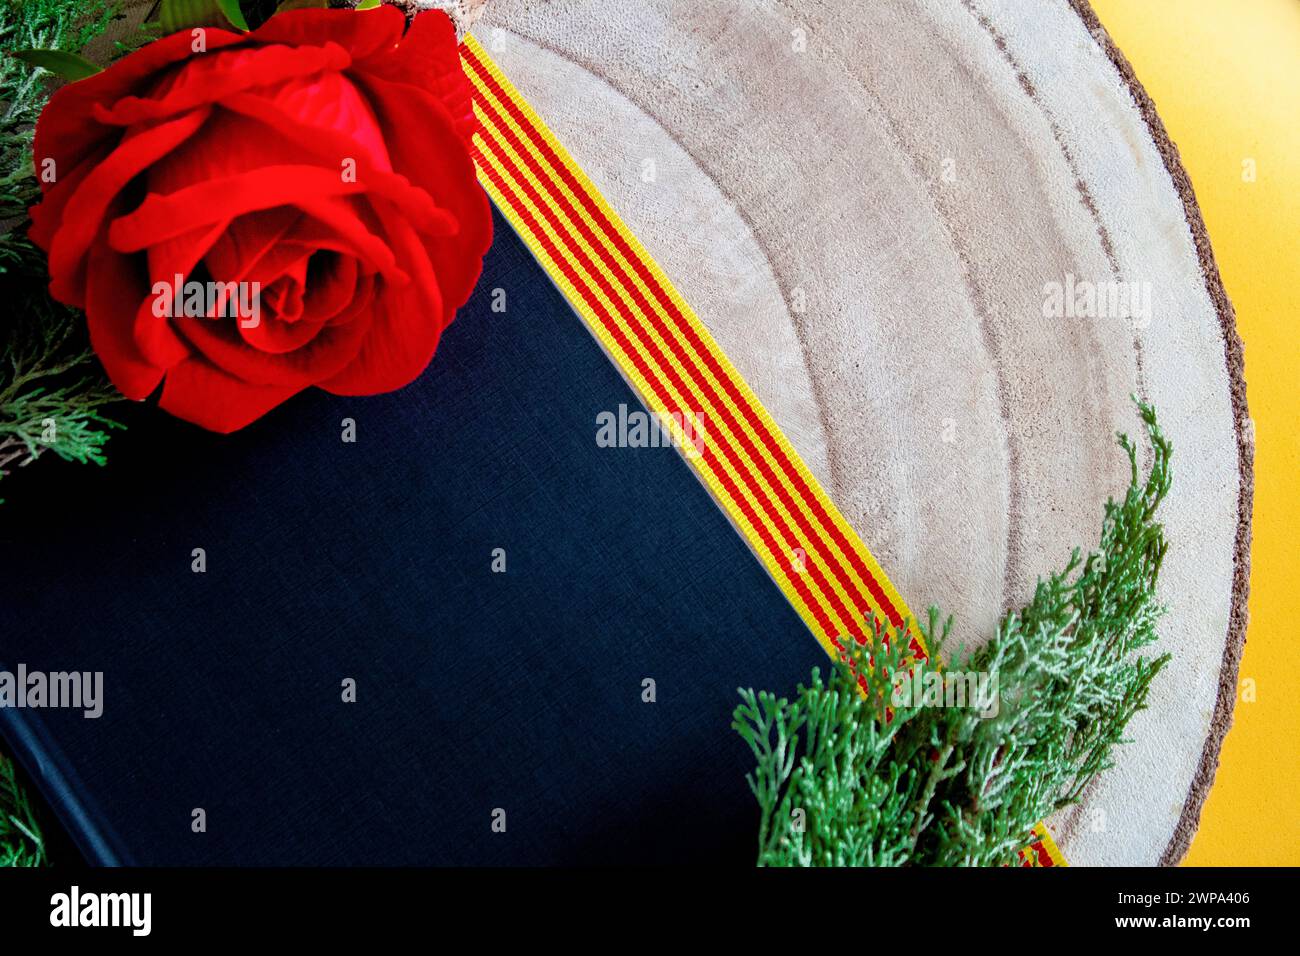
60, 62
235, 15
369, 4
302, 5
183, 14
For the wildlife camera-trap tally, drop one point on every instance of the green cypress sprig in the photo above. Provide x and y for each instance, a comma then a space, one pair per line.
21, 843
52, 391
844, 778
63, 25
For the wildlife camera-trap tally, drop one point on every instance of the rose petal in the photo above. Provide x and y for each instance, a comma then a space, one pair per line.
84, 213
154, 334
340, 227
67, 130
162, 217
114, 293
428, 57
328, 297
407, 324
334, 140
329, 293
332, 349
47, 215
199, 392
248, 240
414, 119
213, 78
374, 34
274, 263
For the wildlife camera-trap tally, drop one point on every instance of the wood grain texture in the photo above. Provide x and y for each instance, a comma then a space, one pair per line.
866, 204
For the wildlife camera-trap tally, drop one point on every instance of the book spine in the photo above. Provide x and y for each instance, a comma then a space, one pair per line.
37, 753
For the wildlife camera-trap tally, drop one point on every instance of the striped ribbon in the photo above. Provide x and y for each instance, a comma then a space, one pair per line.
680, 373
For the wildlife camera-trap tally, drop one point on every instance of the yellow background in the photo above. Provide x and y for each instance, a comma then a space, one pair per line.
1225, 76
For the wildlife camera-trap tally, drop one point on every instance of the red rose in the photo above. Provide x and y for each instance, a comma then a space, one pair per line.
313, 177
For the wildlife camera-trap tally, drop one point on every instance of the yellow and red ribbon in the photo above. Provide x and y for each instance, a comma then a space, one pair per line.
680, 373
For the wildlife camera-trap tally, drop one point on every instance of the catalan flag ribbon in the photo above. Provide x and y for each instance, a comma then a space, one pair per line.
680, 373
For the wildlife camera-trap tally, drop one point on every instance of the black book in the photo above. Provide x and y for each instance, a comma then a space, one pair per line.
351, 678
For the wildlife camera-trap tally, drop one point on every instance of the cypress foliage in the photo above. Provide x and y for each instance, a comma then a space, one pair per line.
852, 772
52, 389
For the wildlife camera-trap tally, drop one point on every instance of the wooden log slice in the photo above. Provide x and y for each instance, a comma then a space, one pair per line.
870, 205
